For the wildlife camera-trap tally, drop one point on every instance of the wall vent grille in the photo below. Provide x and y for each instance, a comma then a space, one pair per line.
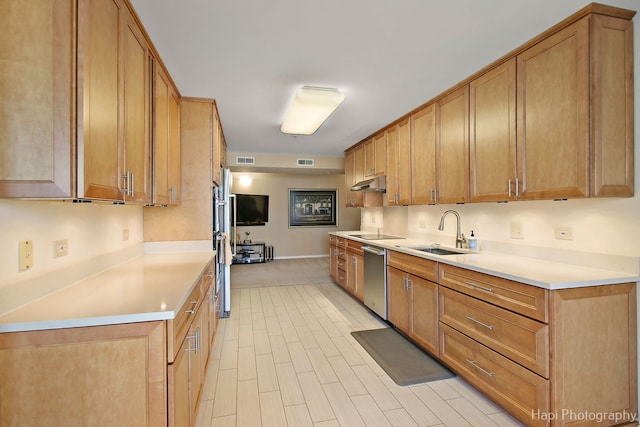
306, 162
245, 160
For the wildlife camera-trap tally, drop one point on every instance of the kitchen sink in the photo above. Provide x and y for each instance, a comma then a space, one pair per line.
439, 251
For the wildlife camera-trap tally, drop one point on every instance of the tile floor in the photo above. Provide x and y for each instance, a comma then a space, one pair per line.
285, 357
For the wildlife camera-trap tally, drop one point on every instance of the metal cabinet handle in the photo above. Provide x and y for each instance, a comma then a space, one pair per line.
509, 187
193, 307
484, 288
484, 371
473, 319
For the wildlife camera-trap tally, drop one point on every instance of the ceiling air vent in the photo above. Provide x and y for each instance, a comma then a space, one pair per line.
306, 162
245, 160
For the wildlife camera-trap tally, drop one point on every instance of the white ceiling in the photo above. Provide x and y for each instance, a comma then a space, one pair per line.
388, 56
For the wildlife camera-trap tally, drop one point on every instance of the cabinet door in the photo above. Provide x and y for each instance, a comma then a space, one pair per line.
612, 168
38, 98
99, 121
216, 158
178, 372
136, 158
167, 139
380, 143
393, 190
358, 290
452, 147
404, 162
424, 313
423, 156
358, 175
349, 177
101, 375
333, 262
553, 115
369, 166
398, 299
173, 150
492, 135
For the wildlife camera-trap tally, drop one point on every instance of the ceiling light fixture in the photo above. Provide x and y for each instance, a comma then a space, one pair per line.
309, 109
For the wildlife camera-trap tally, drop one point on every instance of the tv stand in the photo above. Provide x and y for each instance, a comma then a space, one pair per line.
250, 253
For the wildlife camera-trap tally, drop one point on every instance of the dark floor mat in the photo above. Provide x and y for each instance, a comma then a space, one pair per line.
405, 363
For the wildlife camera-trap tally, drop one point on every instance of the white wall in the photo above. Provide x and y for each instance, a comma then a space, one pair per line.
297, 241
91, 230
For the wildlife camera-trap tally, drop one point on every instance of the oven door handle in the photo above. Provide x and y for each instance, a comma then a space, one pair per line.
373, 250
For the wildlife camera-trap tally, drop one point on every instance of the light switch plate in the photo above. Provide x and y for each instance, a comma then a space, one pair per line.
25, 255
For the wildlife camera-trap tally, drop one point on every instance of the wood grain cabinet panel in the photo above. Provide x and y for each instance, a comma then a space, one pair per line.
114, 85
553, 115
515, 388
102, 375
452, 147
398, 164
492, 135
166, 174
38, 98
423, 156
612, 166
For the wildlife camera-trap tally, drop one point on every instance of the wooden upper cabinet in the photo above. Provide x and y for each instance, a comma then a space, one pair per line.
37, 76
423, 156
136, 107
612, 168
166, 176
452, 147
218, 159
398, 168
492, 134
100, 174
369, 159
380, 145
114, 142
553, 115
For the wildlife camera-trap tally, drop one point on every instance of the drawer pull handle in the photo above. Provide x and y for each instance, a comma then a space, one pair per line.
193, 310
475, 365
475, 285
473, 319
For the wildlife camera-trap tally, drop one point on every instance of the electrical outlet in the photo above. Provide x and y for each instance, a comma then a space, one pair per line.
25, 255
564, 233
125, 234
60, 248
516, 230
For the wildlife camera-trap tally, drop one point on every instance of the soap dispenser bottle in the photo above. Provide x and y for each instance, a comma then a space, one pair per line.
473, 242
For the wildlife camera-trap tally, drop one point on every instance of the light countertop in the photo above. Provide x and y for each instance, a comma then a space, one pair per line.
537, 272
146, 288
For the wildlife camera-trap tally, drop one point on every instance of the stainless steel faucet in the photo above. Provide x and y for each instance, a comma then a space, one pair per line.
460, 239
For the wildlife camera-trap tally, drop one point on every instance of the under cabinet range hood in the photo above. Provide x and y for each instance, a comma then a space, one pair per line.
375, 185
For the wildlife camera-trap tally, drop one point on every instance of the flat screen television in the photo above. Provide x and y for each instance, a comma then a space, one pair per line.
251, 209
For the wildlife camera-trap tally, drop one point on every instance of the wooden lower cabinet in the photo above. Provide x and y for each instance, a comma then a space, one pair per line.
413, 299
548, 357
515, 388
101, 375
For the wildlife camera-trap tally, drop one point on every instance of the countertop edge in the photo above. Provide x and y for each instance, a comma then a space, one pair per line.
465, 261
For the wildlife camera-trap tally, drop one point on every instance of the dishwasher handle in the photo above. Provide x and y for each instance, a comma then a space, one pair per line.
373, 250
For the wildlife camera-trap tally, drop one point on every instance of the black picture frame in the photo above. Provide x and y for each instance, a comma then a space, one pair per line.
313, 208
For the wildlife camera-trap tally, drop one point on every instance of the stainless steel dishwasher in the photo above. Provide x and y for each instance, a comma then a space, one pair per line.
375, 279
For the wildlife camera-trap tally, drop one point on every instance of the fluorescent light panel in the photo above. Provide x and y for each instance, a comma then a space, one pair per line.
309, 109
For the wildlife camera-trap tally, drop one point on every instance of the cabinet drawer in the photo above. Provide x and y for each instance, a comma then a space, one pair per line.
527, 300
354, 246
421, 267
341, 242
332, 239
180, 324
342, 262
519, 338
342, 277
512, 386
